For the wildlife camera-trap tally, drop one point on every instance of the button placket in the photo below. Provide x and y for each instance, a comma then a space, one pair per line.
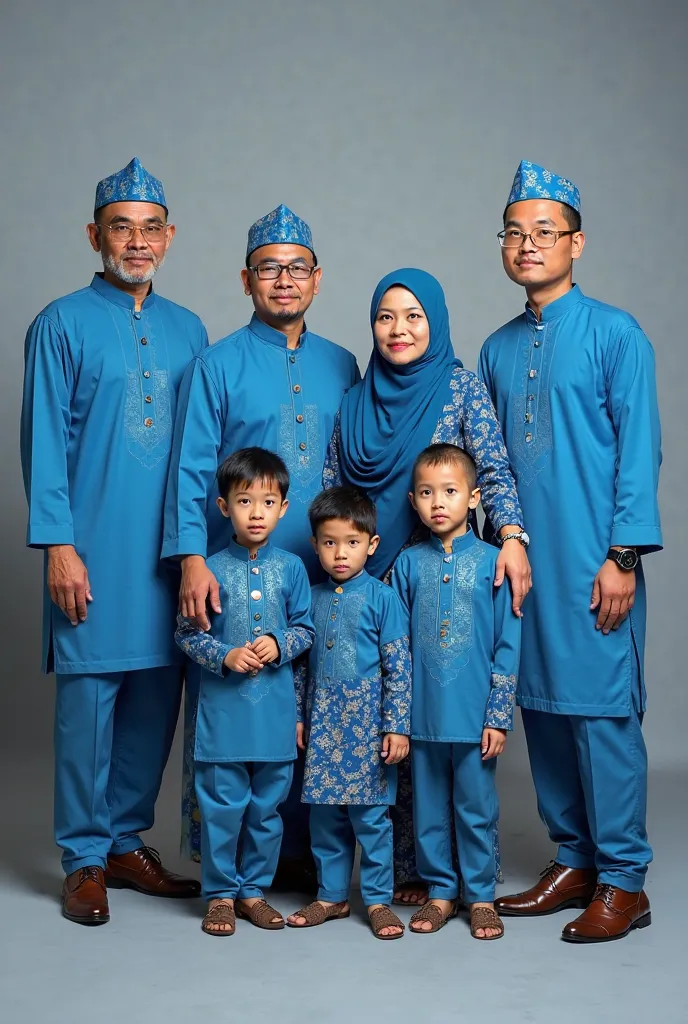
256, 600
446, 599
331, 636
538, 333
297, 402
144, 354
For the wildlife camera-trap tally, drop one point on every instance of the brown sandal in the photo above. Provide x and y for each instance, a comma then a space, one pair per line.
260, 914
435, 915
383, 917
221, 913
409, 890
315, 914
486, 917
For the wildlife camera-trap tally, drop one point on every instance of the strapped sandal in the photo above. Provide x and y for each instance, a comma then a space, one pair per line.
260, 914
435, 915
383, 917
316, 914
221, 913
486, 917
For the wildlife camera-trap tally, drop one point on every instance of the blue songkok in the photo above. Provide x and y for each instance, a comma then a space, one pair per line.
280, 227
391, 415
534, 182
133, 184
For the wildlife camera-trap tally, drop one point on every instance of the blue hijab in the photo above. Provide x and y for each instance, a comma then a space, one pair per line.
391, 415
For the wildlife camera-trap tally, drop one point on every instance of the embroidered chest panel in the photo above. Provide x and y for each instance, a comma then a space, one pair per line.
445, 610
337, 619
531, 422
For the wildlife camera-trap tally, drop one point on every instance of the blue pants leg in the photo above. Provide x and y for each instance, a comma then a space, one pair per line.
224, 793
261, 836
295, 815
433, 814
554, 763
191, 815
84, 720
334, 849
373, 829
476, 813
146, 712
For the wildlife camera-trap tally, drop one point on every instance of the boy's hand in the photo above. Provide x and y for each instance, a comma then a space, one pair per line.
301, 736
266, 648
493, 743
242, 659
394, 748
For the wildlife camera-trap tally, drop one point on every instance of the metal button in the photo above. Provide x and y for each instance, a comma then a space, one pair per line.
255, 571
444, 644
137, 316
292, 359
299, 418
335, 601
531, 398
333, 617
146, 373
256, 630
529, 417
149, 399
144, 341
447, 558
443, 632
529, 438
257, 616
297, 388
256, 595
338, 590
445, 622
446, 578
148, 422
302, 446
533, 373
330, 643
537, 344
540, 327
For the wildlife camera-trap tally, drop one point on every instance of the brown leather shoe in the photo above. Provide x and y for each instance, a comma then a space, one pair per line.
559, 887
84, 897
612, 914
142, 870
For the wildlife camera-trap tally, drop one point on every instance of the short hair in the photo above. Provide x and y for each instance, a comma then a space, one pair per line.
571, 216
348, 503
445, 454
250, 464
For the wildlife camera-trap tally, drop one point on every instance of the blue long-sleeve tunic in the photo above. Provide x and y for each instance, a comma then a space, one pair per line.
100, 392
576, 396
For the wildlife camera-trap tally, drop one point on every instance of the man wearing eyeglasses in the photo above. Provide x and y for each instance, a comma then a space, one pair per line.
274, 384
573, 382
103, 366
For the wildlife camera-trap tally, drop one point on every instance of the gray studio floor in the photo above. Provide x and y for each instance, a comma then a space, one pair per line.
152, 964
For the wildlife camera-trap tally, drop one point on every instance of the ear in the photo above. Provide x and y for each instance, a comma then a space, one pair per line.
93, 232
314, 542
222, 505
317, 274
285, 506
246, 281
474, 499
372, 546
171, 232
412, 499
577, 244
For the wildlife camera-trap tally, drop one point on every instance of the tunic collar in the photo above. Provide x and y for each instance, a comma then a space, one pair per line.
558, 308
116, 295
274, 337
355, 583
467, 540
242, 554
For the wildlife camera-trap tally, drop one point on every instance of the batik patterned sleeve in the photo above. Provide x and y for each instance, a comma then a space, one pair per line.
332, 474
471, 422
395, 662
201, 647
499, 713
299, 635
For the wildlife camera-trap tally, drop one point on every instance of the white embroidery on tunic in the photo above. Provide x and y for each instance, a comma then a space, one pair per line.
148, 444
446, 608
305, 466
531, 425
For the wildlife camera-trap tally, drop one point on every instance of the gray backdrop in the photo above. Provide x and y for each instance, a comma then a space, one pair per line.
394, 128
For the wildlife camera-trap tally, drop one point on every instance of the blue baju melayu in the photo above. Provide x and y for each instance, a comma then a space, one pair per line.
575, 393
100, 393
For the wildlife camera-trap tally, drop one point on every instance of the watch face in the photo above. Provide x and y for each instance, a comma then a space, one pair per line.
627, 559
525, 539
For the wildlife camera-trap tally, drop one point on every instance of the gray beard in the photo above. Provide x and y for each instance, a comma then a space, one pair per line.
119, 269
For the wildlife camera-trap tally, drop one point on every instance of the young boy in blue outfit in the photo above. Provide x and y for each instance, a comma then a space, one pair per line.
354, 705
245, 741
465, 642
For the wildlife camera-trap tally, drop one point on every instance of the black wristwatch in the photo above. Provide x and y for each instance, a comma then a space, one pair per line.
626, 558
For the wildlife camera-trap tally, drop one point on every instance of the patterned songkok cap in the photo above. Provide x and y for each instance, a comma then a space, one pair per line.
534, 182
132, 184
282, 226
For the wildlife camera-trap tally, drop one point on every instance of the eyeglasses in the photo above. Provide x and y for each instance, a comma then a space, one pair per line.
542, 238
125, 232
273, 271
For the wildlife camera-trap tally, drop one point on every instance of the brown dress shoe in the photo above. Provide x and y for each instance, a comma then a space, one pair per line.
559, 887
84, 897
612, 914
142, 870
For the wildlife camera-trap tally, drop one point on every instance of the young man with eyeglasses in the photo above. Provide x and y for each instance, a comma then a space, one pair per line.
573, 383
273, 384
103, 366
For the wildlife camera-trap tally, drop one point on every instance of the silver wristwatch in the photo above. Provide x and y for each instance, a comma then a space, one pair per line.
517, 535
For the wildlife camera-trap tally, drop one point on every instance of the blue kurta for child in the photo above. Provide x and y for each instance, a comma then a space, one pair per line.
576, 396
358, 688
250, 389
250, 716
99, 404
465, 639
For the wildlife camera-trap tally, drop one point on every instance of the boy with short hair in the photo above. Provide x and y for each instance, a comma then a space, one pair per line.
465, 642
354, 704
245, 742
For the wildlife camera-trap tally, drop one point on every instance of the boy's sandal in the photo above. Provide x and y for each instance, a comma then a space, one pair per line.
221, 913
315, 914
435, 915
486, 917
383, 917
260, 914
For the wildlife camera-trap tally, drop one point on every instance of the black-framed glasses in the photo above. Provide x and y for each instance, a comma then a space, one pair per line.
542, 238
125, 232
273, 271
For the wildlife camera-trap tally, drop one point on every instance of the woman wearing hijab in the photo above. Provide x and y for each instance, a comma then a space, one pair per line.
416, 392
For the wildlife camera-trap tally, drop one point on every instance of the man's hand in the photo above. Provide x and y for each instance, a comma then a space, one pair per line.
513, 562
394, 748
198, 585
266, 648
301, 736
68, 582
614, 593
493, 743
242, 659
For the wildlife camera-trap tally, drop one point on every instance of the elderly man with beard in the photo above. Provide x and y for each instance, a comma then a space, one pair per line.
103, 366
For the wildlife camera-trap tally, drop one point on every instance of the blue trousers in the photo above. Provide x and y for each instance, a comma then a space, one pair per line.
590, 776
334, 832
241, 828
113, 735
454, 791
